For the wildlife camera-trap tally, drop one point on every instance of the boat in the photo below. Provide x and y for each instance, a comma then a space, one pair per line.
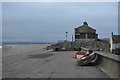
92, 58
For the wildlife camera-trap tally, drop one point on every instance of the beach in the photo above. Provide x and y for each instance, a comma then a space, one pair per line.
34, 61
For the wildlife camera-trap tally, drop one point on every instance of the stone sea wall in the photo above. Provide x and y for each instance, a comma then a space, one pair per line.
71, 46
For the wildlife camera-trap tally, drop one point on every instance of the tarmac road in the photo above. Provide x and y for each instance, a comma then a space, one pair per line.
36, 62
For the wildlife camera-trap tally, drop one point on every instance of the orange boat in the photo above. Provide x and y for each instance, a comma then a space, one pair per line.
78, 53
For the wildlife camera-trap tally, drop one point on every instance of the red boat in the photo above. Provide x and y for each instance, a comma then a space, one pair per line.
78, 53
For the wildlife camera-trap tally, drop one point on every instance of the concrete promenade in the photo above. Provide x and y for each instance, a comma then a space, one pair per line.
0, 62
33, 61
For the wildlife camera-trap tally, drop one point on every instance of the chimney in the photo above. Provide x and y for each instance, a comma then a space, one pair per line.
85, 23
112, 33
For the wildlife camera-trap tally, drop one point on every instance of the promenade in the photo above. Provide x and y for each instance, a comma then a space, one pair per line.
33, 61
0, 62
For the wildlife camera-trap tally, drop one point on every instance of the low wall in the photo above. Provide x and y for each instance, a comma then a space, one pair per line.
109, 63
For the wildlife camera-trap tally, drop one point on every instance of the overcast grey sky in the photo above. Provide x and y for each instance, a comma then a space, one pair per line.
48, 21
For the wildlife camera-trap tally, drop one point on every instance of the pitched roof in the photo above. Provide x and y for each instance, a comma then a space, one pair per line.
85, 28
116, 38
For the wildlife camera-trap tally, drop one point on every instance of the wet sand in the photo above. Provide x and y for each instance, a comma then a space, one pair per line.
34, 61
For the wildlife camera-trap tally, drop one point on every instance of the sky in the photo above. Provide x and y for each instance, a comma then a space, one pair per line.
48, 21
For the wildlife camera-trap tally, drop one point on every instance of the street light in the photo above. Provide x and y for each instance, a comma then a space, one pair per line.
66, 35
72, 38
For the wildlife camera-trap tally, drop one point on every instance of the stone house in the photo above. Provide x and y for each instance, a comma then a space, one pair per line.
114, 42
85, 32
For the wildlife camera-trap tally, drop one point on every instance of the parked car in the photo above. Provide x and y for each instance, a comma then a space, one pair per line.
116, 51
78, 54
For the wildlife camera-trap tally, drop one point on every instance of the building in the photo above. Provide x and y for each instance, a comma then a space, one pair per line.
85, 32
114, 42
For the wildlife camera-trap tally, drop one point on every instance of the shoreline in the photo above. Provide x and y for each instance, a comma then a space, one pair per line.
24, 43
21, 44
22, 48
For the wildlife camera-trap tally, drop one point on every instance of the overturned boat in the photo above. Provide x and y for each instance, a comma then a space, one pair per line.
91, 58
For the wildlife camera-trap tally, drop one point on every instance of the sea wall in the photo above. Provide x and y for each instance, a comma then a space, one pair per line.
71, 46
109, 63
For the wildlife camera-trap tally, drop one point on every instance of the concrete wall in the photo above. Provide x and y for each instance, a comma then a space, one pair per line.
109, 63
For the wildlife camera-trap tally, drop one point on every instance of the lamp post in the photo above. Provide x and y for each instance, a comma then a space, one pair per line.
72, 38
66, 35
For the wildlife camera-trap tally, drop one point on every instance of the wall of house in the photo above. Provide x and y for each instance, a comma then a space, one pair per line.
86, 36
116, 45
111, 44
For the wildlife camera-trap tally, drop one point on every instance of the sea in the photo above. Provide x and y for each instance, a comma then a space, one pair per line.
18, 42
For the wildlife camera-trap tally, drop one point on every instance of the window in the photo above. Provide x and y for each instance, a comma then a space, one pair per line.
77, 37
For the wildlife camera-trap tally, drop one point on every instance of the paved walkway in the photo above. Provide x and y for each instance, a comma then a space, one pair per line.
47, 64
0, 63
